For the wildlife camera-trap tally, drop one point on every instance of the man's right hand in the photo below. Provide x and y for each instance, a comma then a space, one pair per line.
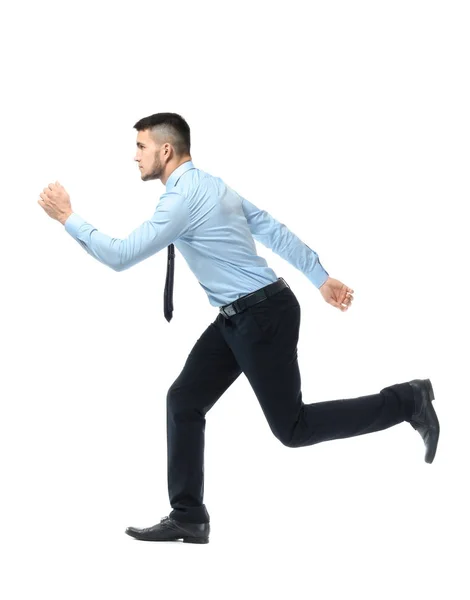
337, 294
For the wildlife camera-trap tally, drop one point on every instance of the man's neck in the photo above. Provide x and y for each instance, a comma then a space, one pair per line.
167, 175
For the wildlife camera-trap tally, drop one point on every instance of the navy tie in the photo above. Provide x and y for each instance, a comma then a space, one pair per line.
168, 293
170, 273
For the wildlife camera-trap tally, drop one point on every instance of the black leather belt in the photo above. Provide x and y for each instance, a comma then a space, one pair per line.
242, 303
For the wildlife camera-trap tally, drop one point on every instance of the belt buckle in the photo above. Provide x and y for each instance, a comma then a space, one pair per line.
228, 311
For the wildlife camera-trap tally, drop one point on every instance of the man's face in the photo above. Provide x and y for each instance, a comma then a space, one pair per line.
148, 155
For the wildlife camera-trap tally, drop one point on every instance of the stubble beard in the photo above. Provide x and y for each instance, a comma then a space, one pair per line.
156, 171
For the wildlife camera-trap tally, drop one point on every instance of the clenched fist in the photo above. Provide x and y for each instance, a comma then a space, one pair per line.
56, 202
337, 294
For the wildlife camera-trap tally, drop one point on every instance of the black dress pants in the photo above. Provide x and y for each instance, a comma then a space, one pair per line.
261, 342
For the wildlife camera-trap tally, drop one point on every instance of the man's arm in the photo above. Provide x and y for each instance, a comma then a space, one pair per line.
169, 222
275, 235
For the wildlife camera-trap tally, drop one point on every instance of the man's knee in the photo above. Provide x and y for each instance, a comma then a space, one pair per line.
175, 403
290, 443
181, 404
286, 438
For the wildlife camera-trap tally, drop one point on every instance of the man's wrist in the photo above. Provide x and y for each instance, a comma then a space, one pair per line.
64, 218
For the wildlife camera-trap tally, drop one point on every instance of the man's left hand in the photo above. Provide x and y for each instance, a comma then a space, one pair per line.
56, 202
337, 294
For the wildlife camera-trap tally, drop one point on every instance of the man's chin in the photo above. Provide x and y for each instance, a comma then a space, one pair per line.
147, 177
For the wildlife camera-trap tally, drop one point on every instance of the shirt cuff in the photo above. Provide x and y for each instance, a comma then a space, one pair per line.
318, 276
73, 224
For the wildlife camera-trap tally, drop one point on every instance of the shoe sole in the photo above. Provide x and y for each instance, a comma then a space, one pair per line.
186, 540
427, 383
196, 540
430, 456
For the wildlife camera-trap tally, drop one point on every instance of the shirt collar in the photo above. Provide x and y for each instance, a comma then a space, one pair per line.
176, 174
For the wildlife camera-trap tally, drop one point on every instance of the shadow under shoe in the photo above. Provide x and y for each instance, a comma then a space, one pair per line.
169, 530
424, 418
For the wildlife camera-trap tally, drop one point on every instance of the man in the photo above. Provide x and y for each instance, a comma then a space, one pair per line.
256, 330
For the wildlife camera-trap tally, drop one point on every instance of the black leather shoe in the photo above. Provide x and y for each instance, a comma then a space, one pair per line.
170, 530
424, 418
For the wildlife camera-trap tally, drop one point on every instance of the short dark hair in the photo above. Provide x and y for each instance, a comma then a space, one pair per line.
172, 126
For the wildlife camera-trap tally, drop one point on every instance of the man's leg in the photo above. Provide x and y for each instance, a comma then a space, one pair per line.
264, 340
209, 370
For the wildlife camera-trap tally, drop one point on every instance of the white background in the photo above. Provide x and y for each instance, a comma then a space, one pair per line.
348, 122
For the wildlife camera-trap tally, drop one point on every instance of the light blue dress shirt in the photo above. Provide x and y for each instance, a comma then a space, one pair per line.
213, 228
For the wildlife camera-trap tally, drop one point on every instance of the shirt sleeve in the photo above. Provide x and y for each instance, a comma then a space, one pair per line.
170, 221
276, 236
